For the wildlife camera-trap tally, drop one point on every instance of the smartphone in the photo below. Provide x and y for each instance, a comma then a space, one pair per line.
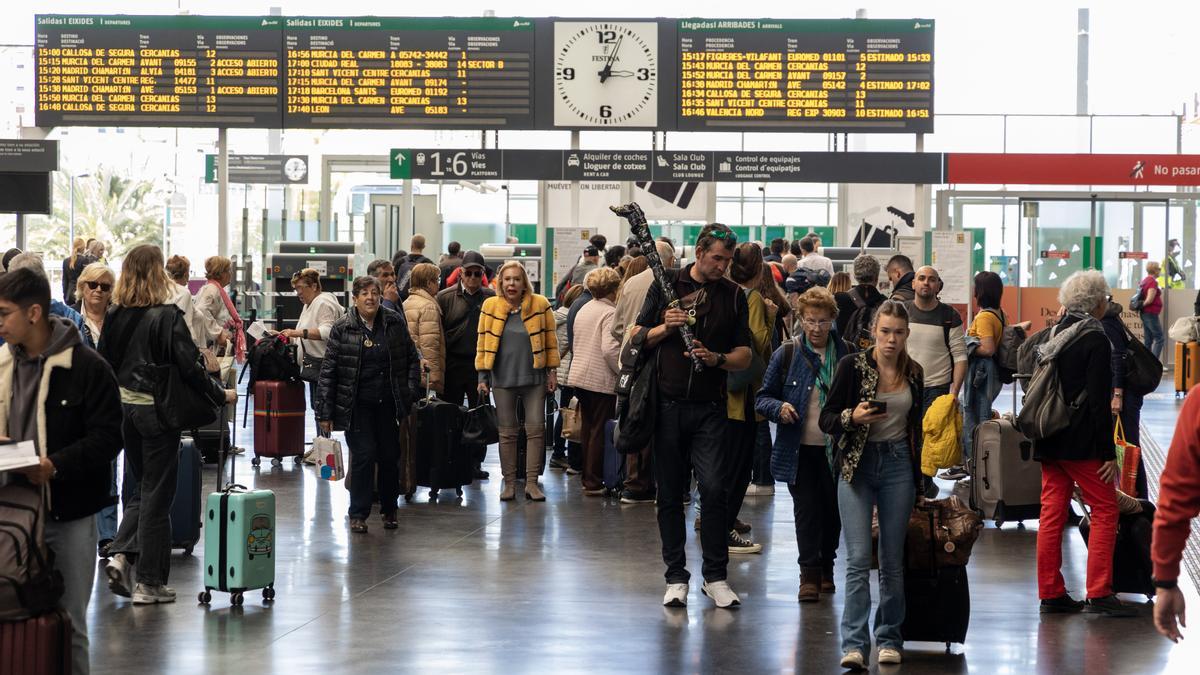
877, 407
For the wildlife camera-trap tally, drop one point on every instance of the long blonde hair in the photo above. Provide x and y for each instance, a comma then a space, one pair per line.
144, 281
77, 247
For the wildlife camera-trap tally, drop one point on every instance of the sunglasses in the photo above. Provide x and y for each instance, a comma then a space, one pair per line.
472, 273
723, 235
93, 285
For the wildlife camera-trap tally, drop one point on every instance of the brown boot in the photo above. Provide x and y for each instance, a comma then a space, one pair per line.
827, 585
535, 454
508, 462
810, 584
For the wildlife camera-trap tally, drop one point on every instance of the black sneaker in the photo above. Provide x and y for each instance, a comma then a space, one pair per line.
631, 497
1064, 604
1109, 606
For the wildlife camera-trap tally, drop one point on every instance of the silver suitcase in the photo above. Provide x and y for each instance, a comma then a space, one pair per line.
1006, 482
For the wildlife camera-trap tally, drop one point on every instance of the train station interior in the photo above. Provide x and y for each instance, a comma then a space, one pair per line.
1031, 141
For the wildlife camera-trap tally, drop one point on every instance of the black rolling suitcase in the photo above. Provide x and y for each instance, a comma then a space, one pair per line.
1132, 568
440, 459
937, 598
186, 508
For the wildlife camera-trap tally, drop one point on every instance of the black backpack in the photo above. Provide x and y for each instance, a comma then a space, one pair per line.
858, 327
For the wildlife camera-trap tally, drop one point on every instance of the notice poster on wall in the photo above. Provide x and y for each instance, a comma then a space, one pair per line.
569, 243
951, 257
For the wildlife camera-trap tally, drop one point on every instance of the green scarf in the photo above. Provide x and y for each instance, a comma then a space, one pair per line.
824, 381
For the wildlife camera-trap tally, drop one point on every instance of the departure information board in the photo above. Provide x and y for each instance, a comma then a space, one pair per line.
846, 75
170, 71
472, 73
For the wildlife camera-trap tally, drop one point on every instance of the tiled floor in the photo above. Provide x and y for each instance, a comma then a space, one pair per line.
572, 585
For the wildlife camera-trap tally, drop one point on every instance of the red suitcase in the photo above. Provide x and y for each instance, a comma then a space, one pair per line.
279, 409
35, 646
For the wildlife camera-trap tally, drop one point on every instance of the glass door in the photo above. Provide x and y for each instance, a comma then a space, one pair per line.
1059, 233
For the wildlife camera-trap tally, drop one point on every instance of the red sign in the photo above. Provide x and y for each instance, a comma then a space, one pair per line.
1046, 169
1133, 255
1060, 255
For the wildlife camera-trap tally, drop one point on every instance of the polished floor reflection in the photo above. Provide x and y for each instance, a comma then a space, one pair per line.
571, 585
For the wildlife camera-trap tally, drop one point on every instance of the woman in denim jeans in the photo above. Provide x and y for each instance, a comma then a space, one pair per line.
873, 413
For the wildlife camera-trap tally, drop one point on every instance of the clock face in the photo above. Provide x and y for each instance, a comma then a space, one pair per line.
605, 74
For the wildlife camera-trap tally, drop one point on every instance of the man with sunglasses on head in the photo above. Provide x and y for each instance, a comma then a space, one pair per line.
460, 306
691, 415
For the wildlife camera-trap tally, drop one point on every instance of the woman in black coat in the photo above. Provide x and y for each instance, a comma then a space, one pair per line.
368, 381
1124, 403
1081, 454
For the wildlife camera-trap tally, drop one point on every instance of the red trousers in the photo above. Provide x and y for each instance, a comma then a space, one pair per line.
1058, 481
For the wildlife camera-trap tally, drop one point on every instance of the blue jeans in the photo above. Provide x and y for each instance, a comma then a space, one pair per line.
976, 408
884, 478
106, 520
1152, 331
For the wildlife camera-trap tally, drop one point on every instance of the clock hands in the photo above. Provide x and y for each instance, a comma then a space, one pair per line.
612, 57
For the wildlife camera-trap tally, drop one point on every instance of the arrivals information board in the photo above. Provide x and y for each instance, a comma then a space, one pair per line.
168, 71
805, 75
471, 73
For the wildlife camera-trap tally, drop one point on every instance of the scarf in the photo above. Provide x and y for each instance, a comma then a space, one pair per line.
824, 380
233, 325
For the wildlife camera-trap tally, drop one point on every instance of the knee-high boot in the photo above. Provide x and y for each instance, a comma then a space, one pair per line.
508, 462
535, 454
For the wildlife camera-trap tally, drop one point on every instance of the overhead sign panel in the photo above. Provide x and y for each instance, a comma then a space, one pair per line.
264, 169
646, 165
365, 72
806, 75
170, 71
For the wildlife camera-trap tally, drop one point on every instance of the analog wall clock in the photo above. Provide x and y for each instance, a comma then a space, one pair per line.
605, 74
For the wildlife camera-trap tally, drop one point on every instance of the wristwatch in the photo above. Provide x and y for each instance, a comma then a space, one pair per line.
721, 359
1166, 585
305, 333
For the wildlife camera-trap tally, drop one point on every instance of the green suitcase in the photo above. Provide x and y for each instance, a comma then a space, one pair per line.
239, 541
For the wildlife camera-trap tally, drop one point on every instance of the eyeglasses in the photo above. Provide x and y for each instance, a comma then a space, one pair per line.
472, 273
93, 285
817, 325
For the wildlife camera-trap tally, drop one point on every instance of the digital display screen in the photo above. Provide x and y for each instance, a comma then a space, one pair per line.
170, 71
472, 73
850, 75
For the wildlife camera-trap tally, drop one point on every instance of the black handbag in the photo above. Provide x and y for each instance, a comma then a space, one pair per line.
1143, 370
177, 404
481, 426
310, 370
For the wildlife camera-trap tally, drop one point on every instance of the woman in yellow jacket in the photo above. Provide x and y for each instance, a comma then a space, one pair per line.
516, 358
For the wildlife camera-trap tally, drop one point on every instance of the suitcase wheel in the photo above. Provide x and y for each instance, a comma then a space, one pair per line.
298, 459
205, 597
269, 593
408, 498
187, 551
458, 491
433, 494
256, 461
999, 523
275, 461
236, 599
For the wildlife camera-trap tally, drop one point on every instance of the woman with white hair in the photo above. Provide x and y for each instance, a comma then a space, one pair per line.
1082, 453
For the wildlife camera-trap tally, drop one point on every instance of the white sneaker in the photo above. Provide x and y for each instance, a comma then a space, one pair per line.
118, 570
756, 490
887, 655
676, 595
721, 593
145, 594
854, 660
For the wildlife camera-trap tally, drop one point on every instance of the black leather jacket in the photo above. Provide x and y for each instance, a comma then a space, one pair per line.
159, 335
337, 386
